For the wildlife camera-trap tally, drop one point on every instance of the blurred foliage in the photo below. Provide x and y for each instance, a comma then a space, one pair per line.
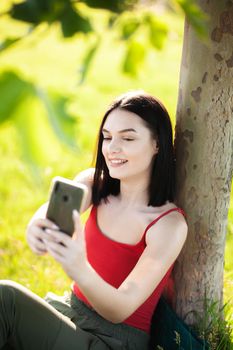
195, 16
17, 93
87, 60
13, 91
135, 25
63, 123
76, 17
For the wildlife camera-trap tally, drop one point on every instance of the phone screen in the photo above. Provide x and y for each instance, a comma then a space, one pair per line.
66, 195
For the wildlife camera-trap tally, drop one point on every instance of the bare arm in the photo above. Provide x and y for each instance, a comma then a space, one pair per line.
86, 178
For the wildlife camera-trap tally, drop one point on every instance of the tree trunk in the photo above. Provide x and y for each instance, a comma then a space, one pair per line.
204, 151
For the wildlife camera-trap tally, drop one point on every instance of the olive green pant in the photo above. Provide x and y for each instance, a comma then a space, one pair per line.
28, 322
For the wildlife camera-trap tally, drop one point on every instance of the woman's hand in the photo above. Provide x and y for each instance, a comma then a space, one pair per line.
70, 252
35, 232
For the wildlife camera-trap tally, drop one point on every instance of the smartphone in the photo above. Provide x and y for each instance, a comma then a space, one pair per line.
65, 196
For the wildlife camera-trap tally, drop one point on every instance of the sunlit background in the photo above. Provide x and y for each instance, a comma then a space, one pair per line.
54, 91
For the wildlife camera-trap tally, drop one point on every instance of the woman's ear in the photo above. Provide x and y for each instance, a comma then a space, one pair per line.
155, 147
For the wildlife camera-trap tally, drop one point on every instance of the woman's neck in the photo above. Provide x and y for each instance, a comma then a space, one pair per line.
133, 194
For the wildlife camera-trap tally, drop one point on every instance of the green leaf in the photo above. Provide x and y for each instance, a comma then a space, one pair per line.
27, 11
73, 22
88, 59
28, 125
62, 122
134, 57
114, 6
13, 91
112, 20
129, 27
158, 31
37, 11
196, 17
8, 42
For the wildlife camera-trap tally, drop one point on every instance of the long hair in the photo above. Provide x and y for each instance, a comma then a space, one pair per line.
156, 118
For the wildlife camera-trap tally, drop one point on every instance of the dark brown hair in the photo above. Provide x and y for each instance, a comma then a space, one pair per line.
156, 118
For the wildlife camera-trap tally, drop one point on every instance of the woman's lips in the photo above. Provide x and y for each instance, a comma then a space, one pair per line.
117, 162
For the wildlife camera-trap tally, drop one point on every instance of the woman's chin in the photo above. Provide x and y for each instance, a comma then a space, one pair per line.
115, 174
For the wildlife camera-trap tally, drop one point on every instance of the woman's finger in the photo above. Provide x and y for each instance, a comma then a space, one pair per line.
35, 233
35, 240
56, 248
37, 245
57, 236
45, 223
57, 256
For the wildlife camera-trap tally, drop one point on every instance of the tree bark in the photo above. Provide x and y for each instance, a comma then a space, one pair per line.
204, 152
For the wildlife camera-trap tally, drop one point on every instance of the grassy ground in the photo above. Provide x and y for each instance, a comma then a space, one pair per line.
20, 192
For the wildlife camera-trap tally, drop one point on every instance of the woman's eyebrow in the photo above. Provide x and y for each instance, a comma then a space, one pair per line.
121, 131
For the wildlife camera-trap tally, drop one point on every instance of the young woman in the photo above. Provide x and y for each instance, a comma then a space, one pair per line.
121, 261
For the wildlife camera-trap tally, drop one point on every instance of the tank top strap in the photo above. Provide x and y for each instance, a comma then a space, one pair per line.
179, 210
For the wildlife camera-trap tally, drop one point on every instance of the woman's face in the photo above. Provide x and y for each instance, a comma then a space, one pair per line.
128, 147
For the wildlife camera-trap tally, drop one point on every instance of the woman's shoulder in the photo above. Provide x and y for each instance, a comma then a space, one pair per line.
86, 176
154, 213
167, 219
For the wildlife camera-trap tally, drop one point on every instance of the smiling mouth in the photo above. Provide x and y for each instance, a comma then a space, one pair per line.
117, 161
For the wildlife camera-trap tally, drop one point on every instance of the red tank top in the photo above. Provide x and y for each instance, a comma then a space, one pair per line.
113, 261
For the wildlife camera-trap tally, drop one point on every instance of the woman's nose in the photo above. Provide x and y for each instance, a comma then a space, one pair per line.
114, 146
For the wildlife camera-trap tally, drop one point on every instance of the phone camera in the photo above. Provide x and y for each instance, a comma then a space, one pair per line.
65, 198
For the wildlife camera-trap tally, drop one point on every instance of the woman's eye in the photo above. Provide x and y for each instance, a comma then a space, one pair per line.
108, 138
